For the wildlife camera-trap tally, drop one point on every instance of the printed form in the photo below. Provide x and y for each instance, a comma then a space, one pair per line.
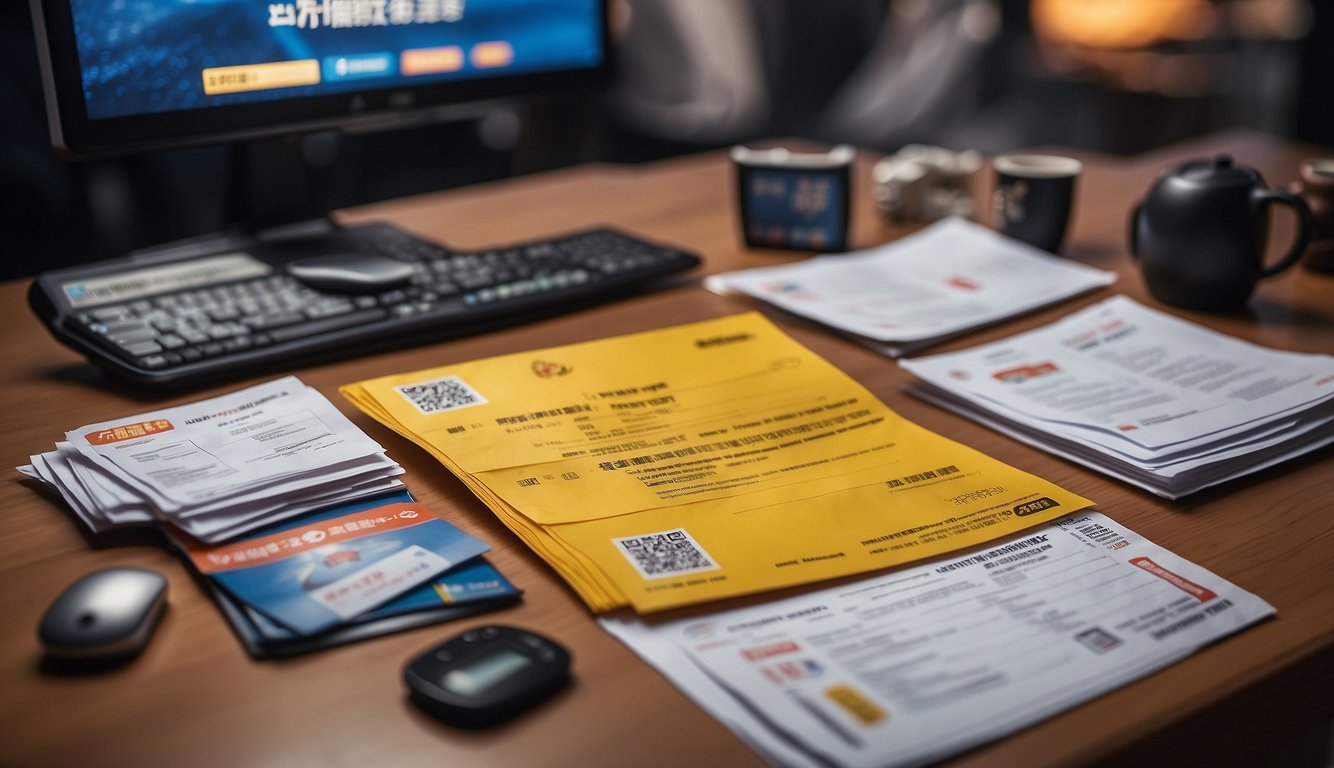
218, 467
1148, 397
949, 278
702, 461
277, 433
913, 666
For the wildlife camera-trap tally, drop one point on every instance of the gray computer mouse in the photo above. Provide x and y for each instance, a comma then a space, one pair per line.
106, 614
351, 272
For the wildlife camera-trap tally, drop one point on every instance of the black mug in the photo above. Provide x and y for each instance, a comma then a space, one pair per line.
1034, 196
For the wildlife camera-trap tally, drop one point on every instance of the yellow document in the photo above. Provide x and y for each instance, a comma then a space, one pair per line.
702, 461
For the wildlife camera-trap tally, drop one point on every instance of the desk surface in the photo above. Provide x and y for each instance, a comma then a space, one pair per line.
195, 698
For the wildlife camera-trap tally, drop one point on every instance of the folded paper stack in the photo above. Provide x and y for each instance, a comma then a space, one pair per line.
217, 468
1141, 395
702, 461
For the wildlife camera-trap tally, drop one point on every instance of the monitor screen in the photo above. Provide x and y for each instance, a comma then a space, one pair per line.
132, 73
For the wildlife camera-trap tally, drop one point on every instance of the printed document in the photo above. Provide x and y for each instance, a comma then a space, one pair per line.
217, 467
949, 278
280, 432
703, 461
1148, 397
913, 666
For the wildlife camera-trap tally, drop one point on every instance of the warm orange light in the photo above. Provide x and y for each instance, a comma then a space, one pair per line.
1117, 23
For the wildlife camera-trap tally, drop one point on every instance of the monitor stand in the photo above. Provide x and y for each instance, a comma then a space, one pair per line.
273, 209
269, 186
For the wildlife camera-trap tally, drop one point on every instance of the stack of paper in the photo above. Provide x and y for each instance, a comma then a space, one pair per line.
220, 467
1156, 401
702, 461
951, 277
913, 666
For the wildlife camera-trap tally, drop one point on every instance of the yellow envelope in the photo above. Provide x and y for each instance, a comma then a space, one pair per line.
706, 460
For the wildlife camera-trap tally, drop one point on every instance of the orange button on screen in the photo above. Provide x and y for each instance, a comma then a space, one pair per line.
426, 61
495, 54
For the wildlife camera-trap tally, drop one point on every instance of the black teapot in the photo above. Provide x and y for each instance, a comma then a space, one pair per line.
1200, 234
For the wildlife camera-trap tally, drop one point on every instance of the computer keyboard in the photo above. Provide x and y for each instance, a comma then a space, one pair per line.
187, 319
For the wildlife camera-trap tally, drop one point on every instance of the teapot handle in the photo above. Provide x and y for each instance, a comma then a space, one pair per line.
1267, 196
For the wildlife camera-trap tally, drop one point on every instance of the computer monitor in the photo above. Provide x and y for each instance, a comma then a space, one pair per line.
284, 282
133, 76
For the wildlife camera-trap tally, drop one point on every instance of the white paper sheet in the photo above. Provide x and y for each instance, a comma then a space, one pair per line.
949, 278
218, 448
1139, 393
918, 664
1128, 371
219, 467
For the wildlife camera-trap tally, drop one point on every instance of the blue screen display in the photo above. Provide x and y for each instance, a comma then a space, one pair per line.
148, 56
795, 209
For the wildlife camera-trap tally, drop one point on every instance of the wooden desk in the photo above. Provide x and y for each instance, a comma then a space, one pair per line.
195, 698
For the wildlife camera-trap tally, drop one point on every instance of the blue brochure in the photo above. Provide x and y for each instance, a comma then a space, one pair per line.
473, 582
485, 590
353, 562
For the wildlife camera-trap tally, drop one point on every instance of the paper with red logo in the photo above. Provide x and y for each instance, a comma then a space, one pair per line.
915, 665
950, 278
219, 467
317, 574
1150, 398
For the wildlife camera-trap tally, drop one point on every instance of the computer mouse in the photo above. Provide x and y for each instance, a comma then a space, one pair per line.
351, 272
106, 614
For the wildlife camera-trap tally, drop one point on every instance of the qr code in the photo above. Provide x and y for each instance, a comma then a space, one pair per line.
669, 553
1098, 640
445, 394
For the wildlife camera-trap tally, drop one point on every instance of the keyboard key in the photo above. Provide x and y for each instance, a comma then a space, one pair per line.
328, 310
328, 324
142, 348
112, 314
193, 335
136, 336
275, 320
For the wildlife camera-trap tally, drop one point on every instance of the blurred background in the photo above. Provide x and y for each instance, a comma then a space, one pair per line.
1116, 76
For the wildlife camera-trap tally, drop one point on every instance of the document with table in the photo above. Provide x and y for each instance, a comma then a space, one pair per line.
702, 461
915, 665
